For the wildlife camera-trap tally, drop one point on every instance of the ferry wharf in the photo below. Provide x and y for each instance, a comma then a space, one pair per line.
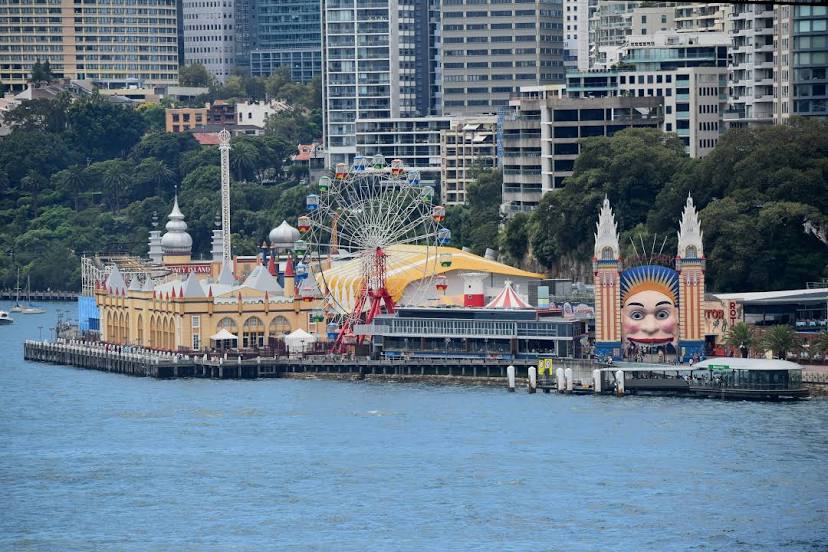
740, 379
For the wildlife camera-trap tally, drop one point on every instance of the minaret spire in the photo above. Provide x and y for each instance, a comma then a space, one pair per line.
606, 232
690, 234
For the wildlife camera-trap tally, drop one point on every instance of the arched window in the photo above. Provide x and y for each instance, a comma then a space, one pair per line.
170, 334
279, 327
139, 337
253, 332
607, 254
228, 324
691, 252
125, 335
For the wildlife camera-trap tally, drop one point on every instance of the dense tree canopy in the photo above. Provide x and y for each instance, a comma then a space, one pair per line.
88, 176
762, 195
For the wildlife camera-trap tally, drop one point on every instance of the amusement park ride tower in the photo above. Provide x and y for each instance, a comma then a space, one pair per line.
224, 149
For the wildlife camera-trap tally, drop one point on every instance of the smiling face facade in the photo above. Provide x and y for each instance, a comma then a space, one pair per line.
650, 318
649, 306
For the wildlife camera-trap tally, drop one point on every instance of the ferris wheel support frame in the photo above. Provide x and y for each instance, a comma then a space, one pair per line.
376, 298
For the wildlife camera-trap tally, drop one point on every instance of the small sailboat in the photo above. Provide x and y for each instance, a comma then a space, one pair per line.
29, 308
5, 318
17, 307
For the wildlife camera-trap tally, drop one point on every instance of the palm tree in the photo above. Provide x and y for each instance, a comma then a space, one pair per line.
160, 174
742, 337
820, 344
780, 340
117, 178
75, 181
244, 159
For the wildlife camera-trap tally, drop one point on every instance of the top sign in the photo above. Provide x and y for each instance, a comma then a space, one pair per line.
719, 367
187, 268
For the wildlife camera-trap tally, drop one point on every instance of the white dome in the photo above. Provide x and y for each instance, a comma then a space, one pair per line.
176, 240
283, 236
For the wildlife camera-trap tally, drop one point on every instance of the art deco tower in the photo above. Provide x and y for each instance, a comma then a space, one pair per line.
606, 267
690, 265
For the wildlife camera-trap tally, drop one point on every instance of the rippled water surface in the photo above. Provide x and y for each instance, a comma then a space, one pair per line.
95, 461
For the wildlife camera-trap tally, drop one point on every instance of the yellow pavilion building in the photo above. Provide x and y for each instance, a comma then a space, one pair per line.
198, 305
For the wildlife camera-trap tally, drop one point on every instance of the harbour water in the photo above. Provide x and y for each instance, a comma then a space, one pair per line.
97, 461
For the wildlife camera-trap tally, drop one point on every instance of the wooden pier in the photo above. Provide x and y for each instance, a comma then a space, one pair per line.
11, 295
147, 363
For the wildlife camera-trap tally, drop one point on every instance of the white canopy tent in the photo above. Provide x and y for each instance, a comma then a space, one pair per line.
224, 340
299, 341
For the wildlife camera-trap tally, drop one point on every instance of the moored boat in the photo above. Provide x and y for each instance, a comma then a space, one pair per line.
5, 318
748, 379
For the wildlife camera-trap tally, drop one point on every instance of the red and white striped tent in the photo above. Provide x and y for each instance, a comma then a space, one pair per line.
508, 299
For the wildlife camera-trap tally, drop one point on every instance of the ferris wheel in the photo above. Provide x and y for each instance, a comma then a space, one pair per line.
370, 227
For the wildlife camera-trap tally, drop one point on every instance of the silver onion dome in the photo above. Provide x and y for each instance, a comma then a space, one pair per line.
283, 236
176, 240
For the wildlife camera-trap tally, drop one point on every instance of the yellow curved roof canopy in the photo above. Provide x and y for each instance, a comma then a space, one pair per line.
407, 264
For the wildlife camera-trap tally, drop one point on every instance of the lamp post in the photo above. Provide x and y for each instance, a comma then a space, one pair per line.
40, 333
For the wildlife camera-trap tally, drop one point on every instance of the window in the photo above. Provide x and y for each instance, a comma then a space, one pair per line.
253, 333
279, 327
195, 324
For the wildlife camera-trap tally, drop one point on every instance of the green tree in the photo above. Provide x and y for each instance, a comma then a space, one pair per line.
741, 337
72, 181
820, 344
780, 340
168, 147
33, 183
154, 116
42, 72
195, 74
514, 240
630, 168
244, 160
104, 130
43, 152
39, 114
116, 178
156, 174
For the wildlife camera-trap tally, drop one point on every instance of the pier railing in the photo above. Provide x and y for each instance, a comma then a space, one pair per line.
50, 295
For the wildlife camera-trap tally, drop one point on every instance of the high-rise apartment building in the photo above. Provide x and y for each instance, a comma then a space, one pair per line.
210, 35
288, 34
468, 145
808, 69
542, 135
751, 71
687, 70
246, 30
492, 48
695, 17
575, 23
111, 42
376, 60
614, 22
